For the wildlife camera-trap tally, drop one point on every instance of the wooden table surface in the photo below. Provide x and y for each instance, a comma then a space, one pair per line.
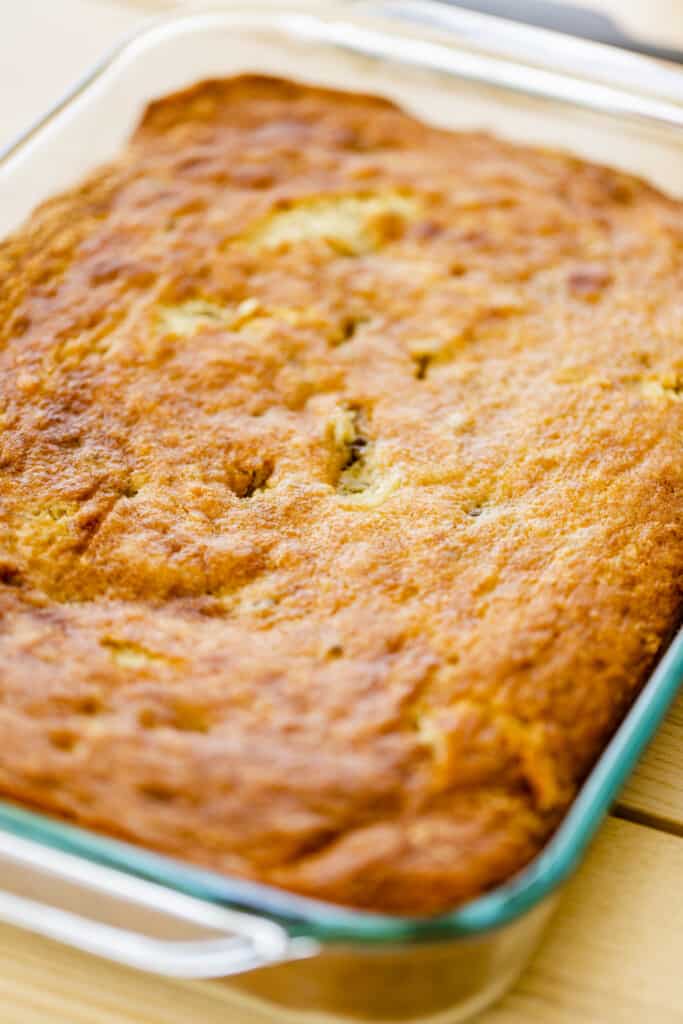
612, 955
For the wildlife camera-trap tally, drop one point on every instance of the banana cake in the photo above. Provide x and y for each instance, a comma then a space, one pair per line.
341, 490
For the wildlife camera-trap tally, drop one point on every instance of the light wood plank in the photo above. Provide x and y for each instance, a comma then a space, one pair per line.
655, 792
612, 953
611, 956
46, 46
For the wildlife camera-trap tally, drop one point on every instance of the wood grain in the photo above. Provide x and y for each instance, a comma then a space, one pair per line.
654, 794
612, 953
611, 956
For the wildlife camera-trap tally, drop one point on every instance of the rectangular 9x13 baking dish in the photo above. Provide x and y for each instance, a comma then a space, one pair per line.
296, 958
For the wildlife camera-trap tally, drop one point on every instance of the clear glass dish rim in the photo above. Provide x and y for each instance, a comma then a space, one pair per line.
299, 915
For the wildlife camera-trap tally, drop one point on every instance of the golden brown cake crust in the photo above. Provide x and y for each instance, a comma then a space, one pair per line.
341, 490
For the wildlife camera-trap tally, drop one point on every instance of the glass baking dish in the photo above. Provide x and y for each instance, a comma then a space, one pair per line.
286, 957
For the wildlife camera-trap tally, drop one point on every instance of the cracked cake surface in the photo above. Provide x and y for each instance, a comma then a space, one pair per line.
340, 490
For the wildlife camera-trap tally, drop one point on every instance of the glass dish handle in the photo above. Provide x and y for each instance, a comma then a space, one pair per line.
89, 907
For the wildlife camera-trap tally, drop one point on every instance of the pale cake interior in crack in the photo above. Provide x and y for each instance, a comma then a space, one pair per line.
340, 490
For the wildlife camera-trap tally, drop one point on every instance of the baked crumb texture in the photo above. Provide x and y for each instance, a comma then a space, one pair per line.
341, 488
